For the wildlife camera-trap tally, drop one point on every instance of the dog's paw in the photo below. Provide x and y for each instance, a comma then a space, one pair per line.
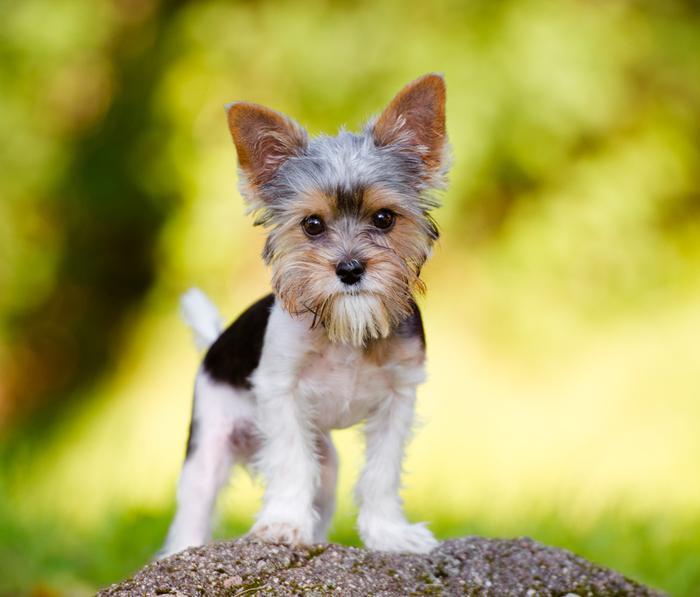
398, 536
280, 531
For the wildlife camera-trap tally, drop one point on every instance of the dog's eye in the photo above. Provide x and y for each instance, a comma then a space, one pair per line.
313, 225
384, 219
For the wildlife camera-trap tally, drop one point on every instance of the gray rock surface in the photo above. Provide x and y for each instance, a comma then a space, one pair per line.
468, 566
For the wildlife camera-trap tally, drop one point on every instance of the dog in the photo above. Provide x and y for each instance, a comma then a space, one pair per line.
339, 341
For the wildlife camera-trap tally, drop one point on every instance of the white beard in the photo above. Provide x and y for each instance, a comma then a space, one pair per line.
357, 318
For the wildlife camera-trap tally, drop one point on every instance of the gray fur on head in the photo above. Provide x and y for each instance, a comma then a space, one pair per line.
404, 151
350, 161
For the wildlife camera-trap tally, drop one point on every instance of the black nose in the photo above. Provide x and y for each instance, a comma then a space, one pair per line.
350, 272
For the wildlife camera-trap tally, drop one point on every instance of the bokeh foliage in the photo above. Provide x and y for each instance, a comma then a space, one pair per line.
564, 300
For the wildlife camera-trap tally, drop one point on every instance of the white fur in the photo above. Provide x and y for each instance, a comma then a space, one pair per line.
381, 521
304, 387
217, 409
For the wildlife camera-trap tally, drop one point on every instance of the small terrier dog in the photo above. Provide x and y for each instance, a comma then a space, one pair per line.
339, 341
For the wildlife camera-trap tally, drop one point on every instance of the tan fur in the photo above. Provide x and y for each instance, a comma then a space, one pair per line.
418, 112
407, 352
264, 139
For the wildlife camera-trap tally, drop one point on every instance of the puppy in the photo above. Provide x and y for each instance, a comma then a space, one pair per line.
339, 341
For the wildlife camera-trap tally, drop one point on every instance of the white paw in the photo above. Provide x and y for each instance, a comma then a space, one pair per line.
281, 531
397, 536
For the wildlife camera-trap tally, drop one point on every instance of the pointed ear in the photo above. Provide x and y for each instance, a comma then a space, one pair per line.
264, 140
416, 118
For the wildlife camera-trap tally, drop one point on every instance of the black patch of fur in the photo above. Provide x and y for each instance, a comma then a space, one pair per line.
349, 201
412, 326
236, 353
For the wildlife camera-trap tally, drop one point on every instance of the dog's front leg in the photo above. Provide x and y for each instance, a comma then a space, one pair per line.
381, 521
288, 461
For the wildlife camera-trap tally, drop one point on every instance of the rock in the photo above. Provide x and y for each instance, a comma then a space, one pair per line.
468, 566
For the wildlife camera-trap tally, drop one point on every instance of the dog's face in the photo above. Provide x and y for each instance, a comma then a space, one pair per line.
348, 216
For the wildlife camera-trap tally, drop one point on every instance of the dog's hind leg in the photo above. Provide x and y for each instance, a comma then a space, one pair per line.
222, 433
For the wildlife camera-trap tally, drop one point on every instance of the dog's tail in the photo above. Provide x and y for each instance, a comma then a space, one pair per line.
202, 316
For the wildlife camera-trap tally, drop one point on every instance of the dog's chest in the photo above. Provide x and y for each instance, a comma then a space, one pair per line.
343, 384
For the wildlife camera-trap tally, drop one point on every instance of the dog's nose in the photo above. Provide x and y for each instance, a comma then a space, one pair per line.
350, 272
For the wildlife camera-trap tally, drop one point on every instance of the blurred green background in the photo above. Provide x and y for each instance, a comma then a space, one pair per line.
563, 311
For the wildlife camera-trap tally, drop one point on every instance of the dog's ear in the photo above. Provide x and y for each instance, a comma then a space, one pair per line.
415, 118
264, 139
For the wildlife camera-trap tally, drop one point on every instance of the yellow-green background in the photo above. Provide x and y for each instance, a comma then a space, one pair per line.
563, 310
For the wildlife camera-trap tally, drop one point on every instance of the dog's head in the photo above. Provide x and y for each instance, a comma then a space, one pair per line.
348, 216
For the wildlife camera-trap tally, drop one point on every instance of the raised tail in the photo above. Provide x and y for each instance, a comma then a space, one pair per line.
202, 316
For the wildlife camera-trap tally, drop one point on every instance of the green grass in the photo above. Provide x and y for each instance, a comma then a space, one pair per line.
44, 557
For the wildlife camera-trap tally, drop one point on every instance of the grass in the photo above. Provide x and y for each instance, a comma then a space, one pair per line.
41, 556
